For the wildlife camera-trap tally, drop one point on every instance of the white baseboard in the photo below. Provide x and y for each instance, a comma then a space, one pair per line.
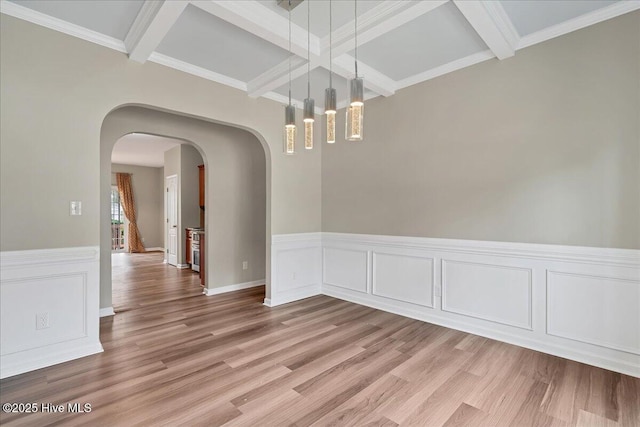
154, 249
183, 266
31, 286
543, 297
295, 295
230, 288
107, 311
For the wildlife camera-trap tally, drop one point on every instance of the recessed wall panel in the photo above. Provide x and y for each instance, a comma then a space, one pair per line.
403, 277
496, 293
345, 268
596, 310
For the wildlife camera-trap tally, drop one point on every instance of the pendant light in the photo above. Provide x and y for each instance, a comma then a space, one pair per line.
355, 110
309, 103
290, 110
330, 92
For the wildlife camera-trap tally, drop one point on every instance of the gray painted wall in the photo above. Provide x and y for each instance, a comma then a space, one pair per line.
149, 200
236, 217
543, 147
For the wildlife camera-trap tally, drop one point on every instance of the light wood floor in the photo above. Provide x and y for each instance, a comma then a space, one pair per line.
175, 357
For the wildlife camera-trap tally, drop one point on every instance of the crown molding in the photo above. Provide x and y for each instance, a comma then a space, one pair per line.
176, 64
30, 15
616, 9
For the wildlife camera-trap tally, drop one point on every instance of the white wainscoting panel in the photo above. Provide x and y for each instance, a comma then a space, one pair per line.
58, 288
296, 261
408, 278
346, 268
588, 313
496, 293
596, 310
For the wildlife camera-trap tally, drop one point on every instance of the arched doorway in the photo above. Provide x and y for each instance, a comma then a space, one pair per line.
231, 155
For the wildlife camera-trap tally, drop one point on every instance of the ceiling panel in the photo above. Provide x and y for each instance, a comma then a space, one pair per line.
110, 17
435, 38
531, 16
211, 43
343, 13
319, 82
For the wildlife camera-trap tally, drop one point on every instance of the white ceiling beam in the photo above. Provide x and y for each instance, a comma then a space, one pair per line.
373, 79
257, 19
490, 27
276, 76
381, 19
377, 22
155, 19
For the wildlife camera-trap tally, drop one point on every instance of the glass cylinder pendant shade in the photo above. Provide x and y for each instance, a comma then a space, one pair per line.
309, 111
290, 129
330, 112
355, 110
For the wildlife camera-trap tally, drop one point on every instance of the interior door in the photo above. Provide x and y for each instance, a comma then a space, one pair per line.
172, 219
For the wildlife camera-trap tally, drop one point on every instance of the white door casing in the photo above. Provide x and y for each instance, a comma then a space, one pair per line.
172, 219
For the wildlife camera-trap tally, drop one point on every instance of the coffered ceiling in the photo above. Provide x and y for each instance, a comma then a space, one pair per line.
244, 44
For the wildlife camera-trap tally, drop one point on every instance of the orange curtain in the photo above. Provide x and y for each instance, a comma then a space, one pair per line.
126, 198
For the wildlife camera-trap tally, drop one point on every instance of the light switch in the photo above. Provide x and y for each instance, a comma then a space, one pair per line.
75, 207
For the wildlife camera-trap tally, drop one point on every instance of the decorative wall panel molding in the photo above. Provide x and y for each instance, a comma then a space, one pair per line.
49, 307
575, 302
296, 267
492, 292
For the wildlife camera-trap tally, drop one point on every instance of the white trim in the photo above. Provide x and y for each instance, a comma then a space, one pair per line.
151, 26
231, 288
30, 15
617, 353
449, 67
10, 259
487, 27
582, 254
176, 64
616, 9
154, 249
107, 311
292, 296
20, 366
373, 79
556, 349
27, 280
183, 266
259, 20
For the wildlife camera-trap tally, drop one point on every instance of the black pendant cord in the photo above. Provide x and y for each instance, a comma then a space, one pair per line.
308, 49
330, 46
355, 12
289, 52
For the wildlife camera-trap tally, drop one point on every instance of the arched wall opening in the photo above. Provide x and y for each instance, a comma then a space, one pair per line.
237, 218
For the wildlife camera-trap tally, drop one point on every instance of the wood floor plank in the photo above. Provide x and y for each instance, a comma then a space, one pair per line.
176, 357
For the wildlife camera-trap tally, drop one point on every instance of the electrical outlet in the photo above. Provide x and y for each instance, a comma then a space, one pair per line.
42, 320
245, 265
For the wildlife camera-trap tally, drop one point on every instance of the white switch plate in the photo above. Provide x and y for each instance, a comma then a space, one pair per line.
245, 265
75, 207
